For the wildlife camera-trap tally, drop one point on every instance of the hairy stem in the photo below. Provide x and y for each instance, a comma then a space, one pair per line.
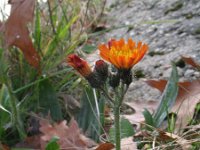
117, 127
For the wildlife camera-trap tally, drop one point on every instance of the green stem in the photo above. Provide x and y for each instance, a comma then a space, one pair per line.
119, 96
117, 127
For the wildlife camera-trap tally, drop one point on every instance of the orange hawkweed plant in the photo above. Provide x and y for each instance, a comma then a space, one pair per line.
123, 56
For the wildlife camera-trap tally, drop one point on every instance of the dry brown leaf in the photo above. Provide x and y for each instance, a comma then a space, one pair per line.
185, 144
139, 107
30, 142
162, 136
188, 97
105, 146
16, 30
4, 147
190, 61
69, 136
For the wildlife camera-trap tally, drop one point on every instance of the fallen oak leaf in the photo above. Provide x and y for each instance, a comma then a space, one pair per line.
137, 117
105, 146
69, 136
4, 147
188, 97
30, 142
190, 61
16, 30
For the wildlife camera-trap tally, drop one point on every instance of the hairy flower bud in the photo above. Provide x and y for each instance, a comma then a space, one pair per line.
83, 68
101, 71
79, 64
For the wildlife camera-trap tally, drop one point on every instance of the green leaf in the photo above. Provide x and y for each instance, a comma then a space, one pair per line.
87, 117
37, 33
52, 144
4, 98
60, 36
5, 114
126, 130
3, 67
148, 120
89, 48
48, 100
171, 122
168, 97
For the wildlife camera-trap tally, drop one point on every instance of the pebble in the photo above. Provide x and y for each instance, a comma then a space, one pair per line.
188, 73
197, 74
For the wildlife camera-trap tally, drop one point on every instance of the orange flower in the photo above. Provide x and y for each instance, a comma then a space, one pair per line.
79, 64
123, 55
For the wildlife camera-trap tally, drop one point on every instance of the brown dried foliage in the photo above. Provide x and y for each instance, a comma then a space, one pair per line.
70, 136
16, 32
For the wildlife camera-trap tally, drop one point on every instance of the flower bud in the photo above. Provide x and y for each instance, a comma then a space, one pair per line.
79, 64
93, 80
101, 70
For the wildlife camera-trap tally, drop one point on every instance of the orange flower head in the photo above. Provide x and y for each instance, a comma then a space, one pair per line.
121, 54
79, 64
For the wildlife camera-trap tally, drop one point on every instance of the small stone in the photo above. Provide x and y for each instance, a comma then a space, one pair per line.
167, 73
180, 72
197, 74
188, 73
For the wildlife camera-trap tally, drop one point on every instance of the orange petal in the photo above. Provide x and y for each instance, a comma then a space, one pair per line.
114, 61
131, 43
139, 45
121, 43
121, 61
103, 47
104, 55
129, 63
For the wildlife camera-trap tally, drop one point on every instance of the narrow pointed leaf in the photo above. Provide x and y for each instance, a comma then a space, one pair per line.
168, 97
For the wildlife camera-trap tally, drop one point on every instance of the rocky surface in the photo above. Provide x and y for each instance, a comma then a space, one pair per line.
171, 28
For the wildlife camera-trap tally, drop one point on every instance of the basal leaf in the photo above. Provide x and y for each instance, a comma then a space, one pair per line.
48, 100
126, 130
87, 118
168, 97
148, 119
